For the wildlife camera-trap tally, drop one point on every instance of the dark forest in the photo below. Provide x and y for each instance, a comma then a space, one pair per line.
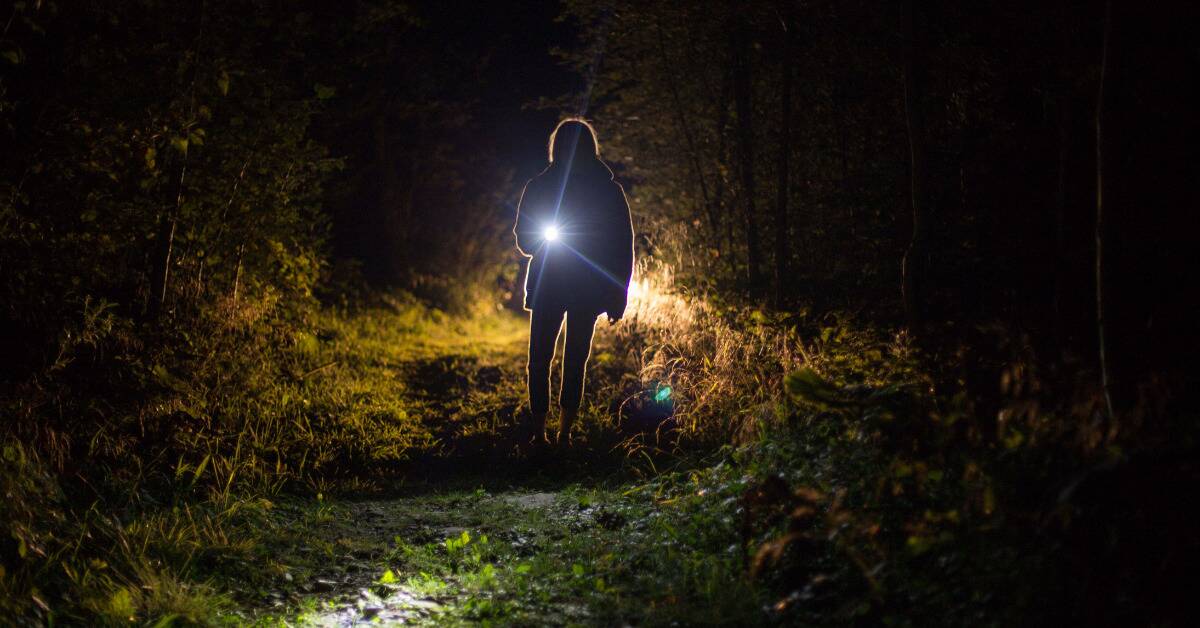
908, 339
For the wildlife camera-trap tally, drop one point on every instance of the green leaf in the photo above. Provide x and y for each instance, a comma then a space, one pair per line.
808, 387
200, 469
180, 144
324, 92
388, 577
161, 374
577, 569
166, 621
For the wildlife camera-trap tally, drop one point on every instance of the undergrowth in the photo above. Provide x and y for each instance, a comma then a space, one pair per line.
799, 469
134, 462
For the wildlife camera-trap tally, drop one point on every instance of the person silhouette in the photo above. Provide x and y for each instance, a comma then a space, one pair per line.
574, 225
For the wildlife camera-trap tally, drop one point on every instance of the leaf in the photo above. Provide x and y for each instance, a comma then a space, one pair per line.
919, 544
166, 621
200, 469
160, 373
524, 568
223, 83
151, 157
13, 56
180, 144
388, 577
324, 92
577, 569
989, 501
807, 386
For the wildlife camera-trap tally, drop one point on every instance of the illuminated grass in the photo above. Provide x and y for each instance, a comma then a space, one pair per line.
652, 554
401, 397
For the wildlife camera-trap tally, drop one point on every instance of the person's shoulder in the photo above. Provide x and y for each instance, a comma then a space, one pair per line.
605, 173
619, 191
538, 181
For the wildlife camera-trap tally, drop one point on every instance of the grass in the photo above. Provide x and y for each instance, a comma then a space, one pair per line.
246, 426
566, 554
349, 464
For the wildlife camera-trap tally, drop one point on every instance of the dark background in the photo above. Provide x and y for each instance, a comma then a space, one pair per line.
190, 185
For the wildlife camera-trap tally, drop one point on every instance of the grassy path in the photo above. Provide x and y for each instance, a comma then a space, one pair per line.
469, 531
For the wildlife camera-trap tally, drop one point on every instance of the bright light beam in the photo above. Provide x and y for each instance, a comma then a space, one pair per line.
550, 233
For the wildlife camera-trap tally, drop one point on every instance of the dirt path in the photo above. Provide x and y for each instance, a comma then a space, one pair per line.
473, 531
422, 559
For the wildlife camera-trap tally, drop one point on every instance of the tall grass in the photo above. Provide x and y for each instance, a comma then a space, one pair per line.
726, 363
136, 458
851, 469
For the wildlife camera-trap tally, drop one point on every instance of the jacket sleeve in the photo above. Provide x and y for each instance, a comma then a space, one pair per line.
525, 228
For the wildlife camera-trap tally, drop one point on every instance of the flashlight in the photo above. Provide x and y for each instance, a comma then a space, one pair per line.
550, 233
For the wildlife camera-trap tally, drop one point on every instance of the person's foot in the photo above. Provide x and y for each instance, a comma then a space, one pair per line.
564, 431
533, 432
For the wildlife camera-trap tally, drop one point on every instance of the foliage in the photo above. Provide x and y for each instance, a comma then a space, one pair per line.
181, 421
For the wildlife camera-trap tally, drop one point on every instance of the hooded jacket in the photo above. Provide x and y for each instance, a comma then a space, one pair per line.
590, 264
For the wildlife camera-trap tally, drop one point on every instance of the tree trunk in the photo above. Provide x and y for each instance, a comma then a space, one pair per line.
912, 265
782, 239
1105, 384
719, 189
1060, 214
743, 99
684, 130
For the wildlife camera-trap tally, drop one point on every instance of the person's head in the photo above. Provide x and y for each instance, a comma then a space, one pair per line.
572, 140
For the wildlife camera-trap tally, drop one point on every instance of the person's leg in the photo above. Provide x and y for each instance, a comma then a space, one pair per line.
544, 325
580, 327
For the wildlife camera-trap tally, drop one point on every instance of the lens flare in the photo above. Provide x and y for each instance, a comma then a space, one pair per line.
551, 233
